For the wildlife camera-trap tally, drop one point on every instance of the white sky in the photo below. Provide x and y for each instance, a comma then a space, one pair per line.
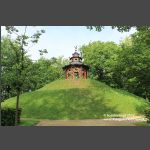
61, 40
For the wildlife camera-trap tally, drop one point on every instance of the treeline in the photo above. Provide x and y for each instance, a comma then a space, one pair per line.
35, 74
125, 65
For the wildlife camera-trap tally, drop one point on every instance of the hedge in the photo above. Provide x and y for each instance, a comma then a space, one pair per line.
147, 114
8, 116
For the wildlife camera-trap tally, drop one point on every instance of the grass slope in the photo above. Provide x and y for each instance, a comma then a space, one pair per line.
77, 99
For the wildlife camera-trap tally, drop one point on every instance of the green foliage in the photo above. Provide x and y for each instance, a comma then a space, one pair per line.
30, 122
8, 116
77, 99
11, 66
34, 74
44, 71
133, 64
147, 114
101, 56
126, 65
19, 46
142, 124
119, 28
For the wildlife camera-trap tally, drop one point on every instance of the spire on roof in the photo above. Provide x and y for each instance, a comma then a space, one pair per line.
75, 48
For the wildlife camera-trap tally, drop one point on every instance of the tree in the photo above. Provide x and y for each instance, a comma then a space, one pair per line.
126, 65
101, 56
119, 28
131, 71
36, 73
134, 65
45, 71
21, 42
7, 59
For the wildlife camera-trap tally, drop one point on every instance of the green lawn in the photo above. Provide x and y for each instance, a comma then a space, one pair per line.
28, 122
77, 99
142, 124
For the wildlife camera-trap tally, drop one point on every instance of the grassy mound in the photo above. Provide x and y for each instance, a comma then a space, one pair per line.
77, 99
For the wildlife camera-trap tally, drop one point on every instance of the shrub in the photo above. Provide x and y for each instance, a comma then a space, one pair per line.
147, 114
8, 116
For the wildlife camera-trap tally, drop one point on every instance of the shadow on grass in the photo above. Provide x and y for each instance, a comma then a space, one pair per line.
67, 104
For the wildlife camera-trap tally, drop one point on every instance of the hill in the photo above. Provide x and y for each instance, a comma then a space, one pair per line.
77, 99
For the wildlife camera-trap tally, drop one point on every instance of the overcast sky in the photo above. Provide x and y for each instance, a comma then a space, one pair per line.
61, 40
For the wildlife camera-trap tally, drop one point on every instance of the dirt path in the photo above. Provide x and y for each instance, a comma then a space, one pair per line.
88, 122
130, 121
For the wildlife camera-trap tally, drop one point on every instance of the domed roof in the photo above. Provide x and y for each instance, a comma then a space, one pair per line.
75, 54
76, 60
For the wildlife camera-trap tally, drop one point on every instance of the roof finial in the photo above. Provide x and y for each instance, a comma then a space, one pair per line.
75, 48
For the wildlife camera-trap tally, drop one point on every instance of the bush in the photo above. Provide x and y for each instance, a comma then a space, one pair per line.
147, 114
8, 116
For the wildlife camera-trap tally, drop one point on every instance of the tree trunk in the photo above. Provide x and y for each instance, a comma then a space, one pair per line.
17, 108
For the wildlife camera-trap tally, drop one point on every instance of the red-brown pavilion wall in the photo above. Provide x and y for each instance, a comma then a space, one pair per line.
82, 73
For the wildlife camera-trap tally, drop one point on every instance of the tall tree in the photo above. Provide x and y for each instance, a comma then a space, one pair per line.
36, 73
133, 63
22, 40
132, 68
101, 56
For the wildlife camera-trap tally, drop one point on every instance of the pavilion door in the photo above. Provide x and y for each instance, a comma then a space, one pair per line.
76, 75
